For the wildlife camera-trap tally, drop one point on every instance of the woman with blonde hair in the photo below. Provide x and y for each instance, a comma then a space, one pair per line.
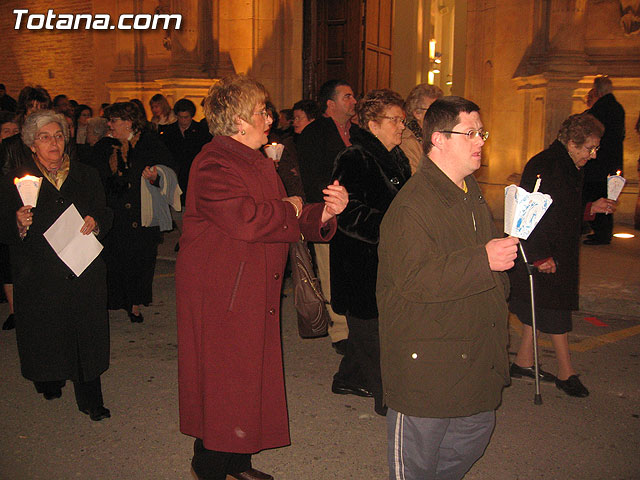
238, 224
161, 111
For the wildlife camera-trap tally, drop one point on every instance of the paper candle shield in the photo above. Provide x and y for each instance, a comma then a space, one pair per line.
274, 151
28, 188
523, 210
615, 184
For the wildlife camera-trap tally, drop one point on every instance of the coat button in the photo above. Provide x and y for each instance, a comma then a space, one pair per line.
493, 324
464, 356
129, 185
276, 276
60, 200
71, 276
272, 311
134, 224
127, 206
285, 227
414, 355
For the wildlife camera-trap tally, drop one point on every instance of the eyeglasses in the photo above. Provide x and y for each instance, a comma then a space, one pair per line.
264, 113
394, 120
592, 150
471, 134
45, 137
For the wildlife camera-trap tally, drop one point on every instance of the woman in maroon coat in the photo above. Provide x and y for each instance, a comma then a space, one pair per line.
238, 224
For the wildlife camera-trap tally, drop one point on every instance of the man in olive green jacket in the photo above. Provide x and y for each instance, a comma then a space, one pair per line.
441, 294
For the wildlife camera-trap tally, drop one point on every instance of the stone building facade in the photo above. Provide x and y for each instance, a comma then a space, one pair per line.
527, 63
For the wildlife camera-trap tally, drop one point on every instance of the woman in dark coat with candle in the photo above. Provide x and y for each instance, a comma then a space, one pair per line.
62, 324
554, 247
372, 169
237, 227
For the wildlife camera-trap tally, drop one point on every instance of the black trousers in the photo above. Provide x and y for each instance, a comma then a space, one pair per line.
360, 365
214, 465
88, 394
602, 225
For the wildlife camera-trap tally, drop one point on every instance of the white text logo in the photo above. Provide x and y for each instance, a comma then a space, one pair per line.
99, 21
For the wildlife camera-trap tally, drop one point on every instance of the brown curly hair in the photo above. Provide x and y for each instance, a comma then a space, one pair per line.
373, 105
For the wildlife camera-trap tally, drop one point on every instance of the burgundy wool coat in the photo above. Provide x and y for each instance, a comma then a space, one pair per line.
233, 250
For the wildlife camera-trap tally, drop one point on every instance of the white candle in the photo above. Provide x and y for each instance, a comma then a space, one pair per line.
537, 186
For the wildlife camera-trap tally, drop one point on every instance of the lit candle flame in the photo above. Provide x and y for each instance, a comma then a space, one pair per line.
26, 177
618, 172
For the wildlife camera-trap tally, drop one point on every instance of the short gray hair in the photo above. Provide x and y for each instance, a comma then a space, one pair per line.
34, 123
602, 85
98, 126
417, 93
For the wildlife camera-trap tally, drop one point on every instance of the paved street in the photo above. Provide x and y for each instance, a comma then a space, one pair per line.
337, 437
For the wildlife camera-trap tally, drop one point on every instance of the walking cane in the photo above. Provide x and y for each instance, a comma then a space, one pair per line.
537, 398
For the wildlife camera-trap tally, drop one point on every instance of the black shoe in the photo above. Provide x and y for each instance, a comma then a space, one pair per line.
97, 414
516, 371
136, 318
343, 388
340, 347
595, 241
572, 386
9, 323
52, 395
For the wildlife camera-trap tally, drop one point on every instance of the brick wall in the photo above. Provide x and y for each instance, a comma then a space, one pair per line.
60, 61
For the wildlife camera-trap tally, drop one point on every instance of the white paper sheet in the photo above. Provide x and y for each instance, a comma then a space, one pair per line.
523, 210
28, 188
76, 250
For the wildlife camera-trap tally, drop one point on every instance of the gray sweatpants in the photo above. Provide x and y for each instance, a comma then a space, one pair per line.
436, 448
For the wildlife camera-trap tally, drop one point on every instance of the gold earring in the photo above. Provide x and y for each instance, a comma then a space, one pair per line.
243, 132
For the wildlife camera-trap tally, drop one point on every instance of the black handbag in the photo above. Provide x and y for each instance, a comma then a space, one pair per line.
313, 317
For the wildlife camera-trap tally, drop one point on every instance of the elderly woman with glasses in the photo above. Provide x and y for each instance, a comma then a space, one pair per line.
553, 248
237, 227
61, 318
372, 169
418, 101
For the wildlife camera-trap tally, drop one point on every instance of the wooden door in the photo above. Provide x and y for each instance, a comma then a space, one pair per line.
377, 44
348, 40
332, 47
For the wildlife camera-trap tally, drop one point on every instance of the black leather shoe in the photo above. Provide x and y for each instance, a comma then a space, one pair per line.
343, 388
516, 371
136, 318
252, 474
340, 347
52, 395
572, 386
9, 323
595, 241
98, 413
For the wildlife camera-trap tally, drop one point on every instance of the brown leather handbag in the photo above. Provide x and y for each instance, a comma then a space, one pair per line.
313, 317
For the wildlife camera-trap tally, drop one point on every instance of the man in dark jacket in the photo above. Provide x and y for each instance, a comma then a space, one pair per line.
441, 295
608, 160
318, 146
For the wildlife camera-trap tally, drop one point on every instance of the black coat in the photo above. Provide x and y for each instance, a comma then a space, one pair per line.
318, 145
372, 175
557, 235
61, 320
184, 148
610, 155
130, 249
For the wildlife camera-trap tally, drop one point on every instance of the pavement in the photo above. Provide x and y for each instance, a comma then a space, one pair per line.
334, 436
